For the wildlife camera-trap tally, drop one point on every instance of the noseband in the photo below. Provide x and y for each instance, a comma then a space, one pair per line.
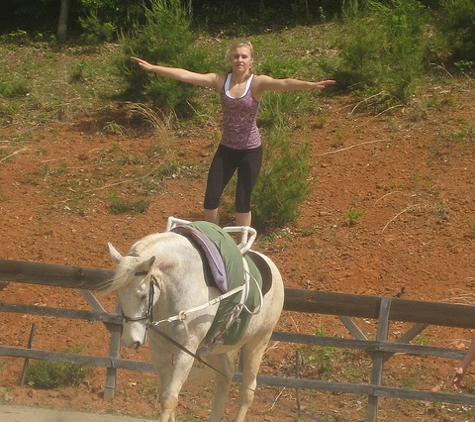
147, 315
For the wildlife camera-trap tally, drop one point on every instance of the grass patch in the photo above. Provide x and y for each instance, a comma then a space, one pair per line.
126, 206
353, 215
53, 375
64, 86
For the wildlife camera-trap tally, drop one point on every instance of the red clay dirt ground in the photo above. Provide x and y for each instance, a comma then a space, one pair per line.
409, 170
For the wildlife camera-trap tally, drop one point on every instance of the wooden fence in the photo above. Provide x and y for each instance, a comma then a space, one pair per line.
345, 306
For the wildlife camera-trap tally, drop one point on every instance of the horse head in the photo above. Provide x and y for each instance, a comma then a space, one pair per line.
135, 287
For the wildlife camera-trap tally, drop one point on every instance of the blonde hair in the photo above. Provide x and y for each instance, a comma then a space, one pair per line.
237, 44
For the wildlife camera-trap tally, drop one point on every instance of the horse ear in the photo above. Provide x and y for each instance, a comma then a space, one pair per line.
151, 261
115, 255
146, 264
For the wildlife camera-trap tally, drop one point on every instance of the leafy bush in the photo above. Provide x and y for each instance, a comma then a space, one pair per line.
49, 374
18, 37
167, 39
283, 183
104, 16
96, 31
123, 206
16, 88
457, 24
384, 47
352, 215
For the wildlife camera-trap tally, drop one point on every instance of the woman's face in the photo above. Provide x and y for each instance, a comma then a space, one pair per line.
241, 59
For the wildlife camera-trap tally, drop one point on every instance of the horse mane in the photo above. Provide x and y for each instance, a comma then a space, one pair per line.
126, 268
123, 274
143, 244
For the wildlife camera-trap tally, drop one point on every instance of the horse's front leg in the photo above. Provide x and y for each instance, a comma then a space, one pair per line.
172, 367
171, 389
168, 416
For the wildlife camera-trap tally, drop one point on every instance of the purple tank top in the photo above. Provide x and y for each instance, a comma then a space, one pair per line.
239, 118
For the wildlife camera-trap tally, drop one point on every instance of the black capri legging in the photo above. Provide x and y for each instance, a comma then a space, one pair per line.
225, 162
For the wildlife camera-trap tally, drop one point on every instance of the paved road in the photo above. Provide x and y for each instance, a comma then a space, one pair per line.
34, 414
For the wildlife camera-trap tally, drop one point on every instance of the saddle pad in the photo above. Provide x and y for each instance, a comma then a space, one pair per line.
235, 333
211, 254
232, 259
228, 250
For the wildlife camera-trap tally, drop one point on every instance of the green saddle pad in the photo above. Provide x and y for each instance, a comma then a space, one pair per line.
232, 259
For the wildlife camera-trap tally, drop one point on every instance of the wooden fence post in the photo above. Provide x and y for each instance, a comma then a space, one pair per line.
378, 359
114, 353
25, 365
114, 348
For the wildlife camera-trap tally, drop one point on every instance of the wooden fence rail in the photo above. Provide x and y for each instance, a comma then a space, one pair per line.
345, 306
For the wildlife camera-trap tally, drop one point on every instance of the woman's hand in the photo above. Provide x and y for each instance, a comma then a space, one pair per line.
323, 84
143, 64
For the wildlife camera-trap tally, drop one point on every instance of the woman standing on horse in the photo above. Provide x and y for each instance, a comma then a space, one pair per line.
240, 147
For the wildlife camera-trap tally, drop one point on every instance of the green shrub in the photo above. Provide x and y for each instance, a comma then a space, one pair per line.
166, 38
280, 67
471, 228
77, 72
353, 215
49, 374
283, 182
358, 47
16, 88
96, 31
457, 25
18, 37
384, 47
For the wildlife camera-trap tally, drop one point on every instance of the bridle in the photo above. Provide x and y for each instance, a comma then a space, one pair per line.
147, 315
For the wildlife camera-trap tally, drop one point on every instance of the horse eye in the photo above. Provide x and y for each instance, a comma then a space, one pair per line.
143, 297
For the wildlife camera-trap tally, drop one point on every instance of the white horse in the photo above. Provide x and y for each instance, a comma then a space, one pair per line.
157, 283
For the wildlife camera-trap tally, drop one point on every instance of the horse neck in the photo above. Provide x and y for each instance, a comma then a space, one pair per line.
179, 272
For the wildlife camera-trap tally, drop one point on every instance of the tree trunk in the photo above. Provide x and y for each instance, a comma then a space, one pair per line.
261, 6
63, 21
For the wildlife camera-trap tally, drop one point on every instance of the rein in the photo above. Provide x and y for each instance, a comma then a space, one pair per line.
184, 349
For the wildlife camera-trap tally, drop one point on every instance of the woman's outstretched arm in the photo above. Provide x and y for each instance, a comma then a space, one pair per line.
266, 83
210, 80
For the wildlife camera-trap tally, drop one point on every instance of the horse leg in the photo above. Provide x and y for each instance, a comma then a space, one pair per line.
172, 372
252, 356
162, 358
172, 384
224, 376
163, 366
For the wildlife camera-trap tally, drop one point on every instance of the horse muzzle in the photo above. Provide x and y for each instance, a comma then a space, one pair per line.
134, 335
